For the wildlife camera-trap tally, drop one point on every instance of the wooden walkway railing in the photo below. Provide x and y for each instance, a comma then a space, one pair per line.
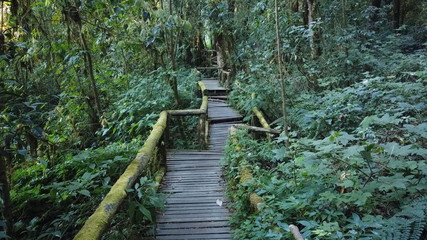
151, 158
196, 206
192, 179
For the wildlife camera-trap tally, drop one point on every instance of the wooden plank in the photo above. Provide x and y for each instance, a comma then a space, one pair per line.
194, 215
193, 207
196, 211
192, 191
223, 236
167, 219
187, 231
193, 225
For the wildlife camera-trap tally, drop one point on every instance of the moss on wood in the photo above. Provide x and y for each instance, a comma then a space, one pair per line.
245, 174
159, 176
256, 201
260, 117
98, 222
204, 105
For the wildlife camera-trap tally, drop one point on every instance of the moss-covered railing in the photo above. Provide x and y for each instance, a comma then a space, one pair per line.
151, 158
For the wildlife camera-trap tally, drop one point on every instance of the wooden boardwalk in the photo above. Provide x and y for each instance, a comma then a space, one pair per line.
196, 207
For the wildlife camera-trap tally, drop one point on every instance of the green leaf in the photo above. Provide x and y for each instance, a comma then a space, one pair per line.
420, 129
279, 154
344, 138
145, 212
395, 149
22, 152
84, 192
367, 121
88, 176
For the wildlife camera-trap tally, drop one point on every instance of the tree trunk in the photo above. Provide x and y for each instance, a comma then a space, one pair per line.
377, 5
397, 7
5, 195
302, 7
223, 48
93, 98
281, 70
294, 5
221, 53
314, 35
174, 81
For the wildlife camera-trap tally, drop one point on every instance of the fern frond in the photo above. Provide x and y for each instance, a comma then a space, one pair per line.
408, 224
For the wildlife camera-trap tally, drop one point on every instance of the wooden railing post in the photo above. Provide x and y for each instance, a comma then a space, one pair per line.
162, 147
202, 127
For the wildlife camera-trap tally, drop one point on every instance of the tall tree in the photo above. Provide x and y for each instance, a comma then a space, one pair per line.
312, 7
282, 71
74, 23
397, 14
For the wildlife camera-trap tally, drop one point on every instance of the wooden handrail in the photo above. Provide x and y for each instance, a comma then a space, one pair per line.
257, 129
99, 220
96, 224
186, 112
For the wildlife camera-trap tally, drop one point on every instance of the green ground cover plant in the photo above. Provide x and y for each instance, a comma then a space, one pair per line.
355, 170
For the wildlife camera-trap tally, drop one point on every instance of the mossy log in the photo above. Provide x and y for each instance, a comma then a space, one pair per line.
261, 118
98, 222
204, 105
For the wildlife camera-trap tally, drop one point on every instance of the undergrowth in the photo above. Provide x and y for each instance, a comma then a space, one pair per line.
54, 193
356, 168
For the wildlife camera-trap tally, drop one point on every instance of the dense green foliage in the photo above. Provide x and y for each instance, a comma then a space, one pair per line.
356, 166
82, 82
53, 201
